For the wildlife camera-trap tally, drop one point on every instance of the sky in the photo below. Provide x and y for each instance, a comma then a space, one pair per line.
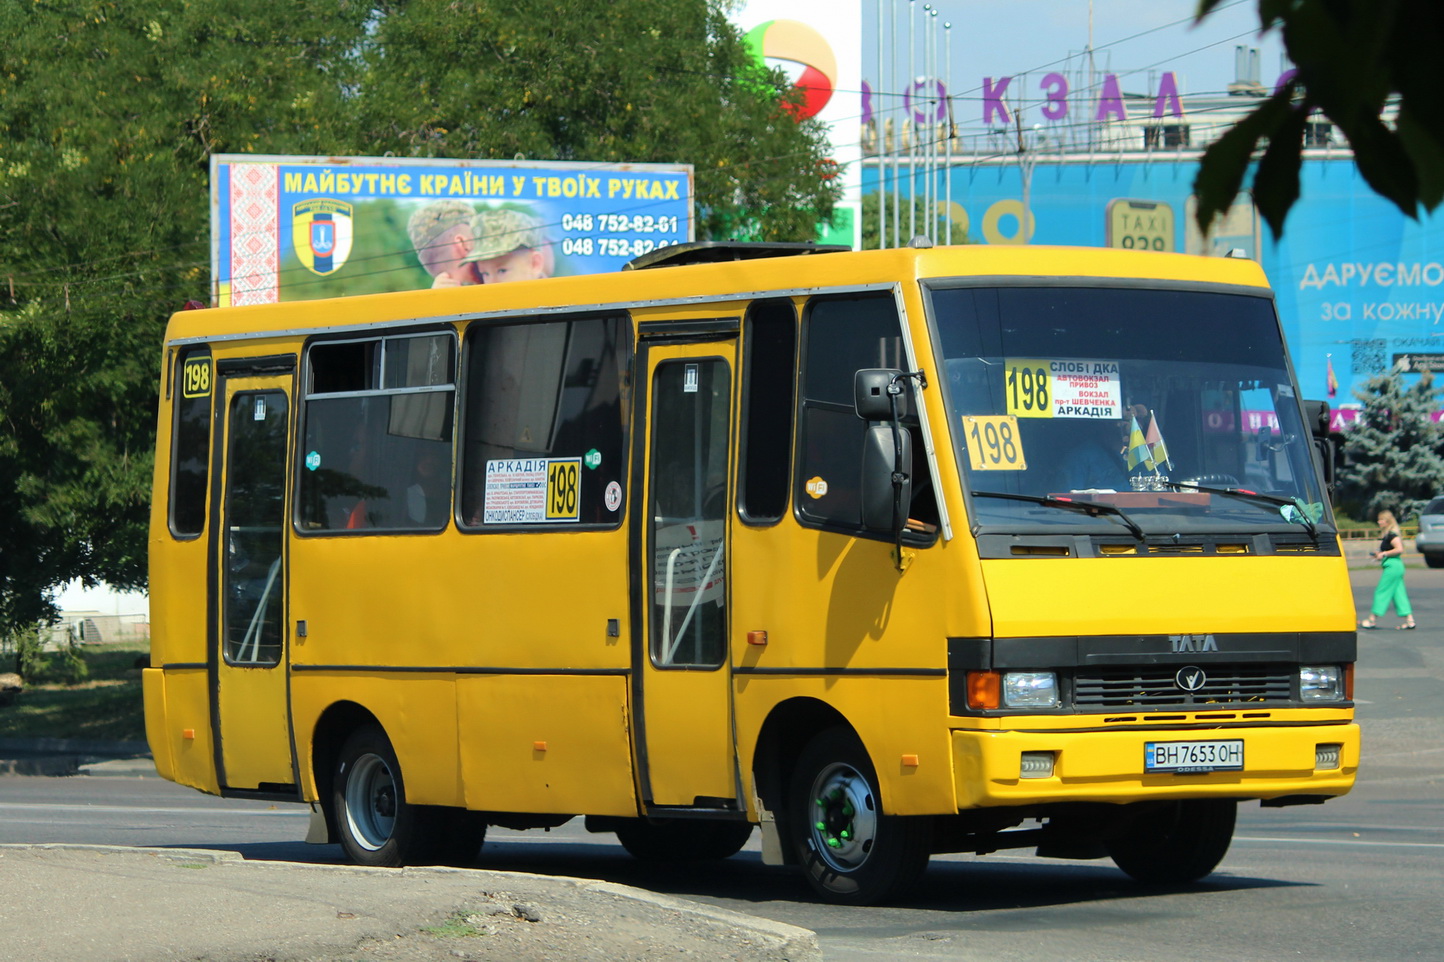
1135, 39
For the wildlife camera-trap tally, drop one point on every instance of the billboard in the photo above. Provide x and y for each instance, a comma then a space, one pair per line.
1360, 287
299, 228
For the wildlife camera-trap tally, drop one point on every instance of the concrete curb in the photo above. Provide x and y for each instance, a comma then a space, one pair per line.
58, 757
75, 746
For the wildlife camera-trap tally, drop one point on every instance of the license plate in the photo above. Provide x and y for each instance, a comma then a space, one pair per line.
1187, 758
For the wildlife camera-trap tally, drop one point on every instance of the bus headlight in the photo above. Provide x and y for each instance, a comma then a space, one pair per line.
1030, 689
1321, 683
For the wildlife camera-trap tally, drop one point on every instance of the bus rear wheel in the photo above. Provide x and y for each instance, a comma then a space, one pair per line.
851, 852
376, 824
1175, 843
682, 840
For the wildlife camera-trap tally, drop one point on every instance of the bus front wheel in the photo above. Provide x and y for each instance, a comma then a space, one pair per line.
377, 825
1175, 843
851, 852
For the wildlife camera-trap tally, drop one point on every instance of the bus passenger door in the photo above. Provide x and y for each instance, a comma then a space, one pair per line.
681, 669
248, 650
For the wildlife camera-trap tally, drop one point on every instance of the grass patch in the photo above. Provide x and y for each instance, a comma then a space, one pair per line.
106, 706
459, 926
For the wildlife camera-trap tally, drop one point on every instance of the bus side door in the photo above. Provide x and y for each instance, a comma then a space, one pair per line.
681, 669
248, 651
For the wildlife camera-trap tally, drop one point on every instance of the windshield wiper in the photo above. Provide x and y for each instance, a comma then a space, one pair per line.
1091, 508
1243, 494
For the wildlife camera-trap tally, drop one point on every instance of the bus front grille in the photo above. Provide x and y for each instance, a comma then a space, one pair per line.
1159, 687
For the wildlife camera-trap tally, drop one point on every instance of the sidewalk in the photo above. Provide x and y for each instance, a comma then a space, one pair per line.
106, 904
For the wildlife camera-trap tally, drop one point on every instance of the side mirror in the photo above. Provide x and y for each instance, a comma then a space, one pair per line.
1316, 418
879, 460
870, 395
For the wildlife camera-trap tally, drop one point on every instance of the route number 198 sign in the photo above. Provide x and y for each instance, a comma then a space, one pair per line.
993, 443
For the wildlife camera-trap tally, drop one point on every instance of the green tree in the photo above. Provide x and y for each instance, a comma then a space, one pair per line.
1392, 452
109, 112
936, 231
664, 81
111, 109
1354, 57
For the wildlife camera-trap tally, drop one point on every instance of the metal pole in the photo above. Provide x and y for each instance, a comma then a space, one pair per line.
948, 144
910, 121
1025, 169
930, 192
897, 134
881, 139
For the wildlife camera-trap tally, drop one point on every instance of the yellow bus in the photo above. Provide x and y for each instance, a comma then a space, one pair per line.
885, 553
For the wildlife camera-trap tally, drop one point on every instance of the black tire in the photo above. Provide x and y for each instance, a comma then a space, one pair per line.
376, 824
851, 853
456, 835
1175, 843
1434, 560
683, 840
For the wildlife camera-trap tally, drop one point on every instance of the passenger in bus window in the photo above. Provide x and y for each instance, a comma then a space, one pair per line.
427, 496
1092, 461
511, 245
441, 233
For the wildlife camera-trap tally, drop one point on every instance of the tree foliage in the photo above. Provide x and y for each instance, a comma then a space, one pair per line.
935, 229
109, 112
111, 109
629, 80
1392, 456
1353, 58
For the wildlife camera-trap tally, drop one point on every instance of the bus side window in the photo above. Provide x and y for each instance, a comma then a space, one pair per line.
377, 445
191, 443
842, 335
769, 385
543, 397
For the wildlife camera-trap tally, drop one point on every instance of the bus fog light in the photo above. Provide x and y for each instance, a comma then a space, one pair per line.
1036, 765
1030, 689
1321, 683
1326, 757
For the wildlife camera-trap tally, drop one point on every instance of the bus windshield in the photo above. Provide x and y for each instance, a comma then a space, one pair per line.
1125, 410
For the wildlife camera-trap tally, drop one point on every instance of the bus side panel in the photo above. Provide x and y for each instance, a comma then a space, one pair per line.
837, 604
546, 743
178, 726
900, 723
177, 700
417, 712
462, 601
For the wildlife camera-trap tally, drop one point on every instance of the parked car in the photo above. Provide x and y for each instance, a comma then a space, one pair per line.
1430, 540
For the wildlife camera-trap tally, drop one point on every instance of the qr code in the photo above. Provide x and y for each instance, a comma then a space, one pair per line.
1369, 356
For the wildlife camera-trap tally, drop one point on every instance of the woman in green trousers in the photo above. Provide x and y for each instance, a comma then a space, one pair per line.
1391, 579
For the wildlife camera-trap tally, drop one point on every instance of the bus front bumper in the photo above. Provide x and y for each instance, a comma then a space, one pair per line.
1027, 768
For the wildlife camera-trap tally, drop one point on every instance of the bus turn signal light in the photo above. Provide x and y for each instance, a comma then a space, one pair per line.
985, 690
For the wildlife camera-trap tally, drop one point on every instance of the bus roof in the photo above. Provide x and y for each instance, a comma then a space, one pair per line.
717, 283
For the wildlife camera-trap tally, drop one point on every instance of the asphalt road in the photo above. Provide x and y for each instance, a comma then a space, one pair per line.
1359, 878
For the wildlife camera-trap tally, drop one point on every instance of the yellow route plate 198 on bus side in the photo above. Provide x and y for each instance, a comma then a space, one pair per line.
196, 377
